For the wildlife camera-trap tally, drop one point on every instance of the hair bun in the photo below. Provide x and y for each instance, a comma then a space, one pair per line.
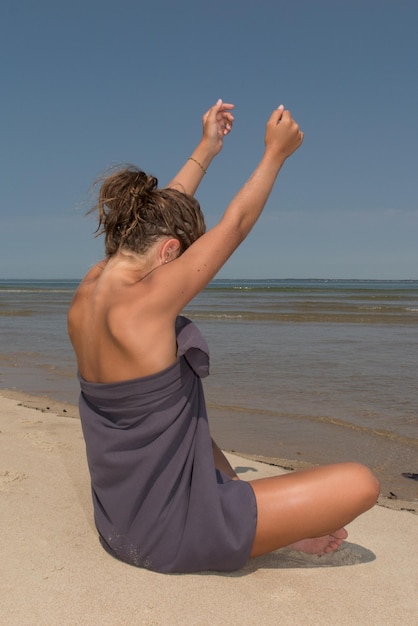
142, 184
134, 213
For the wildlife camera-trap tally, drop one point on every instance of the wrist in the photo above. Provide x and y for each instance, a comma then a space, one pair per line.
204, 152
198, 163
274, 158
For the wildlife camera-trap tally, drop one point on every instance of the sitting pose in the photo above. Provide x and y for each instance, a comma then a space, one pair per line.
165, 496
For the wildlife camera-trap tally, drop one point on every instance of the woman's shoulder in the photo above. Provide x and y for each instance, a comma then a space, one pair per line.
94, 273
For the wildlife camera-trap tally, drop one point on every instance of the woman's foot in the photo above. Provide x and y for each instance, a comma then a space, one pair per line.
320, 545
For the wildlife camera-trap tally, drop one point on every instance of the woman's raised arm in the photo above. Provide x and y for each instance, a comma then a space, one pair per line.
182, 279
217, 123
282, 138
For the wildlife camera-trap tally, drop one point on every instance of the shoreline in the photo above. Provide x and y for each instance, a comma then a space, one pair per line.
51, 406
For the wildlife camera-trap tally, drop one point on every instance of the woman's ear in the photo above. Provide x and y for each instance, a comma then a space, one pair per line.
170, 250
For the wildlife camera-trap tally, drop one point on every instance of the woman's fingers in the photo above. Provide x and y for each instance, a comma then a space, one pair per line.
226, 120
283, 134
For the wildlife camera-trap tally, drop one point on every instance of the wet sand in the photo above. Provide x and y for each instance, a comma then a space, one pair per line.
229, 439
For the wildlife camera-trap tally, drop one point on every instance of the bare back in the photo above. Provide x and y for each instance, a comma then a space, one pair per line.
115, 329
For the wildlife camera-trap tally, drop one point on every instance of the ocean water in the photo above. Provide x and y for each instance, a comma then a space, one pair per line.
313, 371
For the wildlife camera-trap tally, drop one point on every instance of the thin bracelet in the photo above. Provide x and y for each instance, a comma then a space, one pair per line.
199, 164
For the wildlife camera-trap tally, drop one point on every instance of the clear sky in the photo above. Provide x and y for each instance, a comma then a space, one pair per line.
88, 84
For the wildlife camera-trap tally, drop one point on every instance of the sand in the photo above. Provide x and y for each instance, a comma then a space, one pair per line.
54, 572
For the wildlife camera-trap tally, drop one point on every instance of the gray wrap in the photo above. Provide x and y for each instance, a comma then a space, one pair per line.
158, 500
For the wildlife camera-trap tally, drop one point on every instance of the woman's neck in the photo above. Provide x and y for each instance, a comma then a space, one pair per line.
132, 266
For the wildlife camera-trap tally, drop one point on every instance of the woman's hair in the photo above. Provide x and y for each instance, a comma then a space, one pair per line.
134, 213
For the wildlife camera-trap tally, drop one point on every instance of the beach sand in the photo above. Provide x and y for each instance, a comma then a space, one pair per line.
54, 572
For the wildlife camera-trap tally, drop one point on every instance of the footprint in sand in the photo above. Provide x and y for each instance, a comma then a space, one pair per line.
9, 479
36, 440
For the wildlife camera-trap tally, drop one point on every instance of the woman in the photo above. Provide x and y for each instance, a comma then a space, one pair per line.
165, 497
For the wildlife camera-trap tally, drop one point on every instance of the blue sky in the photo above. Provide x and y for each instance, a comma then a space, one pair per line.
92, 83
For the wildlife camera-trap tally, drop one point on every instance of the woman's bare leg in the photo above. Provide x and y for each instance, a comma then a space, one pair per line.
307, 510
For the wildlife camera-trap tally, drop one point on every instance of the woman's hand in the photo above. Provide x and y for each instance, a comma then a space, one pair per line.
283, 135
217, 123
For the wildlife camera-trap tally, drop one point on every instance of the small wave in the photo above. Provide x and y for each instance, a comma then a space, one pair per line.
371, 308
331, 421
35, 290
217, 316
309, 315
19, 313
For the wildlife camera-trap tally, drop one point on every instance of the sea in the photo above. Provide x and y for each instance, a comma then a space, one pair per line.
302, 371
